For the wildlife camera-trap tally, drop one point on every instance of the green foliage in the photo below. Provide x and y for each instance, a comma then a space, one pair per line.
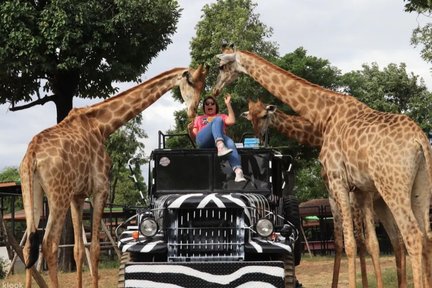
309, 184
420, 6
180, 139
3, 267
123, 145
79, 47
10, 174
233, 21
11, 202
316, 70
422, 35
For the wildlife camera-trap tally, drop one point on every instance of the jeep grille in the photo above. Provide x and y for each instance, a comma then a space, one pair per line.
206, 235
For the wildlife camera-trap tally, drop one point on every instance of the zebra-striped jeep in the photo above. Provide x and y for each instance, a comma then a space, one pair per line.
203, 229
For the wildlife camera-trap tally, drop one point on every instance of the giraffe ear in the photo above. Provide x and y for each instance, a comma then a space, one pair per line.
271, 109
188, 77
224, 44
245, 114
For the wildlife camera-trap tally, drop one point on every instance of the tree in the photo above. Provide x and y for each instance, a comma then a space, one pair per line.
123, 145
9, 174
67, 48
418, 5
421, 36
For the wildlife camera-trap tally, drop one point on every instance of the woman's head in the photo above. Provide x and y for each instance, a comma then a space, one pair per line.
210, 106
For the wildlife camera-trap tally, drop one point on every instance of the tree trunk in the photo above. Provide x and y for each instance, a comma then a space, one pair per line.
65, 86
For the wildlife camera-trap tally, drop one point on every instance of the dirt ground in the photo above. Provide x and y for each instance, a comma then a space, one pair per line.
317, 271
313, 272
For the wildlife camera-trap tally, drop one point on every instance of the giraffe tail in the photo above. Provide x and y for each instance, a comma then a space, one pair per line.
34, 249
427, 152
33, 237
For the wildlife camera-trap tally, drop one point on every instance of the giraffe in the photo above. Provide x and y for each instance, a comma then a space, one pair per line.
68, 162
192, 99
295, 127
365, 149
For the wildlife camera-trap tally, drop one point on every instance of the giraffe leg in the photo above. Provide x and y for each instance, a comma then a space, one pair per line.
412, 237
338, 242
372, 242
51, 240
400, 258
98, 205
360, 240
420, 199
341, 194
338, 256
357, 205
76, 212
389, 224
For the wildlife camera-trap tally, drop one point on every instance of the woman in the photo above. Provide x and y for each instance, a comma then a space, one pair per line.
209, 131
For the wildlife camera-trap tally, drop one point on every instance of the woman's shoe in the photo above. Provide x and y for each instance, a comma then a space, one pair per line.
239, 175
224, 151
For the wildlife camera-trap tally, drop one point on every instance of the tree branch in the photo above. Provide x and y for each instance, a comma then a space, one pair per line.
40, 101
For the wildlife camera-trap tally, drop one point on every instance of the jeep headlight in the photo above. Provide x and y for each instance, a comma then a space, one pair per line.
148, 227
264, 227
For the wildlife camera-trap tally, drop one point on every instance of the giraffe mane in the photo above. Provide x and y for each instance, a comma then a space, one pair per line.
139, 85
292, 75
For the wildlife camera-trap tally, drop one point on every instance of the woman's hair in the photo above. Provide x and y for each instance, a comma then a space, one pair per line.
214, 100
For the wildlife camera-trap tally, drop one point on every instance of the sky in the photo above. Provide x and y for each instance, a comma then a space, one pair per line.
348, 33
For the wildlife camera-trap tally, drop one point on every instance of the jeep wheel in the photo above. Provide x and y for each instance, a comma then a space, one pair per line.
291, 212
126, 257
290, 279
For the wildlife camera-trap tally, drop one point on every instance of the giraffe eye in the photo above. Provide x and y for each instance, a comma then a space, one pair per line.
221, 67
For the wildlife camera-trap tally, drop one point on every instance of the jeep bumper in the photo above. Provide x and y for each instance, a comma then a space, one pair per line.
205, 274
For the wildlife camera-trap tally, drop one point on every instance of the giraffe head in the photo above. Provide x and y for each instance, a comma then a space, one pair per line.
229, 68
260, 116
191, 86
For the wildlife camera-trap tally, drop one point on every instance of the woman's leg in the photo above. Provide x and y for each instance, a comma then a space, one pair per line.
204, 138
234, 159
217, 129
210, 134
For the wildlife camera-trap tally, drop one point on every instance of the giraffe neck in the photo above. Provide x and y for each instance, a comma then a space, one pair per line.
296, 127
314, 103
112, 113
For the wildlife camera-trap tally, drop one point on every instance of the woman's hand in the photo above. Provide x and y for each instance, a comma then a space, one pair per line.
231, 116
227, 99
